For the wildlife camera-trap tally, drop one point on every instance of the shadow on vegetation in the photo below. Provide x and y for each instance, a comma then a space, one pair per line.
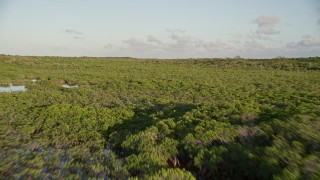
144, 118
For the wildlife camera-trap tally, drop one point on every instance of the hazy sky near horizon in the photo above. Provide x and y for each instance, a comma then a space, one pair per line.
161, 29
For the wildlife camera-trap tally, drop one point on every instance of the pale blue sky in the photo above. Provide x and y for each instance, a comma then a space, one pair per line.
161, 29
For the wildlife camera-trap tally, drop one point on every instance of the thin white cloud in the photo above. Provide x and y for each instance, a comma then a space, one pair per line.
264, 21
72, 31
180, 42
177, 43
218, 45
254, 45
307, 42
108, 46
76, 35
253, 36
258, 49
267, 31
78, 38
266, 25
139, 44
153, 39
175, 30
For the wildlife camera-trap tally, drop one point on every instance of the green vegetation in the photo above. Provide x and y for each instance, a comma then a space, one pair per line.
160, 119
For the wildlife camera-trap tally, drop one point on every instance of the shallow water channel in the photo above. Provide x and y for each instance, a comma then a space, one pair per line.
13, 88
22, 88
68, 86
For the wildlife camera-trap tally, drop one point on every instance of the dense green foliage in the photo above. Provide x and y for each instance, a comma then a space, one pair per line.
160, 119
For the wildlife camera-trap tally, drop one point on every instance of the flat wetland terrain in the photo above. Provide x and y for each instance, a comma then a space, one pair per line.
120, 118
